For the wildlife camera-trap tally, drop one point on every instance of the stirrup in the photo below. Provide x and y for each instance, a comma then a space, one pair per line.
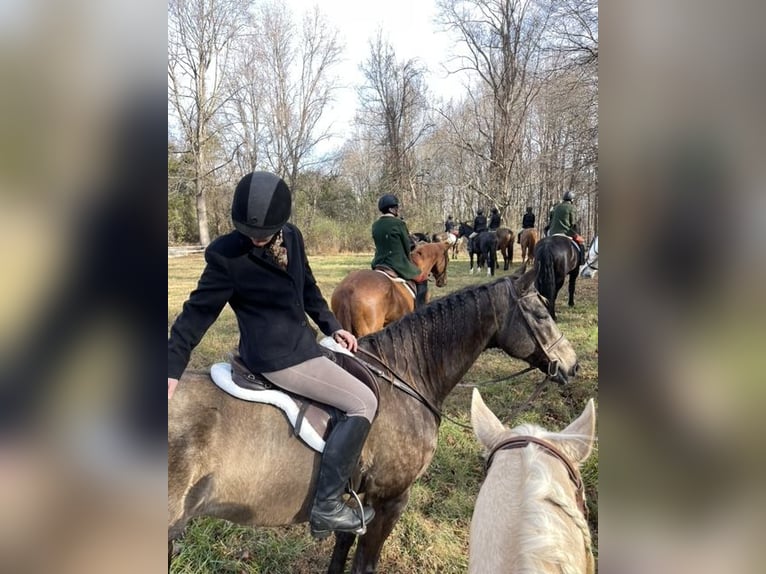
322, 534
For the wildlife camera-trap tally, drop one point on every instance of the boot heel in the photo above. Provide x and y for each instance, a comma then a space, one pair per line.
320, 534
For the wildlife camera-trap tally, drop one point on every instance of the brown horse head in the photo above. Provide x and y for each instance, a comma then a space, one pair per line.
432, 258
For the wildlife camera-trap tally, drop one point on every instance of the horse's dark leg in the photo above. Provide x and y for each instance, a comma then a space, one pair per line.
370, 545
343, 543
572, 280
559, 285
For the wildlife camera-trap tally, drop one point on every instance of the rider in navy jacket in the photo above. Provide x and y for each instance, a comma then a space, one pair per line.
262, 272
272, 337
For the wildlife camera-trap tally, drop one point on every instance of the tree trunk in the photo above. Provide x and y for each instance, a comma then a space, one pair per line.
204, 234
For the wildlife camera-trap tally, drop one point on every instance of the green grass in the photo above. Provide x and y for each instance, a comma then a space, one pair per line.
432, 535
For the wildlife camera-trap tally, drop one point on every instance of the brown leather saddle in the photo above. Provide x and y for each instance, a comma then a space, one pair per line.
319, 415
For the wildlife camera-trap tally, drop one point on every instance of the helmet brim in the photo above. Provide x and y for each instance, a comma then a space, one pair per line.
256, 232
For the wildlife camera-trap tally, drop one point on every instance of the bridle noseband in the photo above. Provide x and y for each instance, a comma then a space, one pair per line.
523, 441
553, 364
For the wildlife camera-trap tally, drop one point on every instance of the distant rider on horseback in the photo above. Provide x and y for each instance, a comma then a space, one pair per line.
392, 247
563, 221
494, 220
527, 222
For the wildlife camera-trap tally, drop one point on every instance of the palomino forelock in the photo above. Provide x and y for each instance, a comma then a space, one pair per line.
543, 540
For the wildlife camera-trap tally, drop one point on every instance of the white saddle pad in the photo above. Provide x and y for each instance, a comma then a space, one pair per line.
221, 375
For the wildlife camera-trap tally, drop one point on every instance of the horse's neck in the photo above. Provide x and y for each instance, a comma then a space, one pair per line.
424, 349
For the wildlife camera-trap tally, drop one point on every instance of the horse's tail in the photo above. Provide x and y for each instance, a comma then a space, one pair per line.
545, 280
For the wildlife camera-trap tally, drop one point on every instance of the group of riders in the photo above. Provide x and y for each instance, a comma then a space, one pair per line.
262, 272
562, 220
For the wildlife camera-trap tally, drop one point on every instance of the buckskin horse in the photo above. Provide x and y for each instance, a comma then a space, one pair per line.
530, 514
556, 257
242, 462
366, 300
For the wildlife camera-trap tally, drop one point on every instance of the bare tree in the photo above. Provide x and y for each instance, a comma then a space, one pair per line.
503, 42
295, 70
576, 30
201, 34
394, 109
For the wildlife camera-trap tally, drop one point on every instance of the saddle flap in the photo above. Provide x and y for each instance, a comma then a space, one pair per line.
311, 421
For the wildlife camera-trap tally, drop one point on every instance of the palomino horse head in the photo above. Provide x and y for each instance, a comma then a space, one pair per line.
533, 495
432, 258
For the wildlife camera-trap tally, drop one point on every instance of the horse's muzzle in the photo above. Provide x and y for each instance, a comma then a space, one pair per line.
558, 374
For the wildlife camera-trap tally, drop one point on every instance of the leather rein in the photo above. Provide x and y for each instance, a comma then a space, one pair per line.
523, 441
399, 382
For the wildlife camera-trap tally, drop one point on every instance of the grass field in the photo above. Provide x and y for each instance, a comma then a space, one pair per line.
433, 534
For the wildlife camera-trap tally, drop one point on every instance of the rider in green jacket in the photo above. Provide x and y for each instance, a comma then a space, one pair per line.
392, 246
563, 220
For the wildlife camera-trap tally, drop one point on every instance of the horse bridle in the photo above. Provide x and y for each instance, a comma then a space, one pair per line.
553, 364
523, 441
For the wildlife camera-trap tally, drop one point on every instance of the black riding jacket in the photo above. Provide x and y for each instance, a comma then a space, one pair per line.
528, 221
494, 221
480, 224
270, 304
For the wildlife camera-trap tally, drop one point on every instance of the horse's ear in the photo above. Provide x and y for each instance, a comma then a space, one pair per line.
525, 282
486, 426
582, 432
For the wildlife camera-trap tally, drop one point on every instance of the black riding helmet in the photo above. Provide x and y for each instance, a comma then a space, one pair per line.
494, 210
386, 202
480, 212
568, 196
261, 205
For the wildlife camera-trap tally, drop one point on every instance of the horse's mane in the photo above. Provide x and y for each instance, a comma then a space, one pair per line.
435, 340
542, 501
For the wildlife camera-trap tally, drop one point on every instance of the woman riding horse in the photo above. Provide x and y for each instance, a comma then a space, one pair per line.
262, 272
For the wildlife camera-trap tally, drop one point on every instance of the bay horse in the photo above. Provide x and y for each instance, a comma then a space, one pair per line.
530, 514
528, 239
366, 300
556, 256
505, 246
591, 260
242, 462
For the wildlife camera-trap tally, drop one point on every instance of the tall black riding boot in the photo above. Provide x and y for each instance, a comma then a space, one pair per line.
339, 460
420, 293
